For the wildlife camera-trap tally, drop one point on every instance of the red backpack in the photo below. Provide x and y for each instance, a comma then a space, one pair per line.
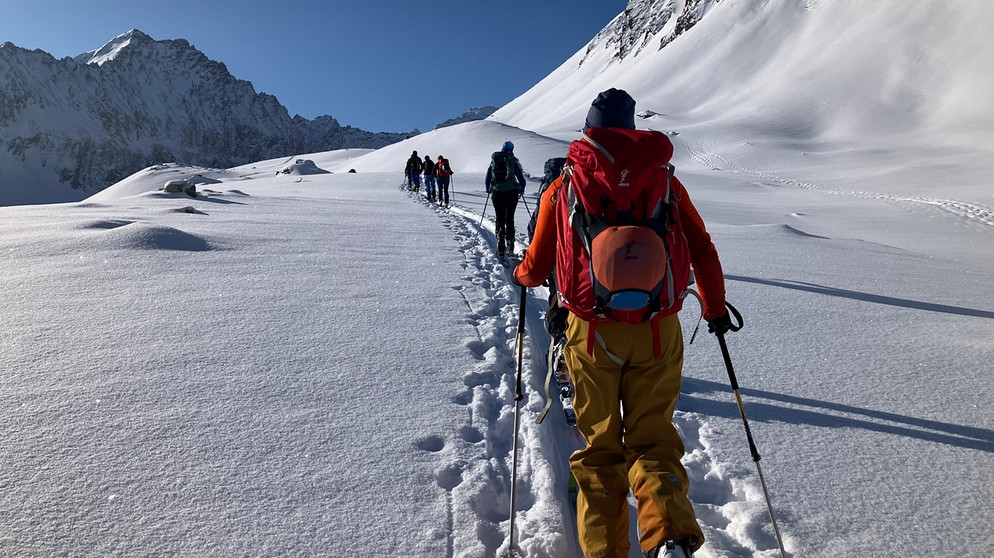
622, 254
443, 168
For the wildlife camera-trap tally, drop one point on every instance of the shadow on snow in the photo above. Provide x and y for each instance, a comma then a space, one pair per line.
830, 415
866, 297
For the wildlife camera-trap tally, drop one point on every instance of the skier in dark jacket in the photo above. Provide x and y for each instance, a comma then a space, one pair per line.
505, 182
428, 169
413, 172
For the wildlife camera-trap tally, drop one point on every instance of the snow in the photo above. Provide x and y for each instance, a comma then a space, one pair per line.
110, 50
323, 364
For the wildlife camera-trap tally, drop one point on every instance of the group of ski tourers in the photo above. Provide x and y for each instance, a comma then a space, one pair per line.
437, 177
505, 184
614, 237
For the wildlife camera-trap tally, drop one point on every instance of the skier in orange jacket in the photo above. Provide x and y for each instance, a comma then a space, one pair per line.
627, 380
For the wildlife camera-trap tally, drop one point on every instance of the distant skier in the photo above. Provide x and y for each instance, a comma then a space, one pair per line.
505, 181
428, 169
443, 173
413, 172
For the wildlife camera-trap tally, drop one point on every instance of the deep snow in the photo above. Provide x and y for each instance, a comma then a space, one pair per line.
321, 364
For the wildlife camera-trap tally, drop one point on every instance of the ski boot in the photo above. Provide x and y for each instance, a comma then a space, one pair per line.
671, 549
557, 365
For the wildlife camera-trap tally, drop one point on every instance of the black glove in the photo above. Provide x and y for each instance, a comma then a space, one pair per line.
722, 325
514, 276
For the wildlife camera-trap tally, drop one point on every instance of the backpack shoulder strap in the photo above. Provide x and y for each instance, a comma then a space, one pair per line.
664, 205
599, 147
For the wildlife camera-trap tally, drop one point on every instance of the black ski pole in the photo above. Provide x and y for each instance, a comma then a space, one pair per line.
484, 209
518, 396
745, 422
522, 195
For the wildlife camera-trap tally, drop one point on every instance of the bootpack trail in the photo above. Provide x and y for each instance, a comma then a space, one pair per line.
726, 496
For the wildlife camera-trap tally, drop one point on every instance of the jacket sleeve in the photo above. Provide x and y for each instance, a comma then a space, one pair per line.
520, 175
540, 257
486, 181
703, 255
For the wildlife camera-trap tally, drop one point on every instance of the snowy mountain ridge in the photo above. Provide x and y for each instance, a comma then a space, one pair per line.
644, 20
110, 50
73, 126
471, 115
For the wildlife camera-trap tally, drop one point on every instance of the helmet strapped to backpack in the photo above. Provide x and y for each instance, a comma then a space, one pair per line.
623, 256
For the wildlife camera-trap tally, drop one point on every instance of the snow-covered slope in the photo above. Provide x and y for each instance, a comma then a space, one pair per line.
297, 364
825, 70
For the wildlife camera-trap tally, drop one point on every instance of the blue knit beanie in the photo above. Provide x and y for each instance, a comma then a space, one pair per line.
508, 146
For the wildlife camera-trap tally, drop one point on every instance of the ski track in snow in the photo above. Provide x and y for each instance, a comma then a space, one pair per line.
727, 499
474, 467
970, 213
477, 475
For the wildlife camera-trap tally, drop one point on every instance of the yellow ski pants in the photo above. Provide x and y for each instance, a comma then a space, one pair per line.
625, 399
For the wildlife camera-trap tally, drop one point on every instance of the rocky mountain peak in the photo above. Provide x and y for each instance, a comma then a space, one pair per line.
85, 123
645, 20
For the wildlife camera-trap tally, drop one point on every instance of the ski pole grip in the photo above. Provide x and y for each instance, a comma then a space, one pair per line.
738, 317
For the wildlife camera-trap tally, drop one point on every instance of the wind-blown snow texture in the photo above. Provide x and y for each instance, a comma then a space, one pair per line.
321, 364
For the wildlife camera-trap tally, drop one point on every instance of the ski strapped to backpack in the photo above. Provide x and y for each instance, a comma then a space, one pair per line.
623, 256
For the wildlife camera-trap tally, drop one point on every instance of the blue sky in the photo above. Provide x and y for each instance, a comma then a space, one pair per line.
379, 65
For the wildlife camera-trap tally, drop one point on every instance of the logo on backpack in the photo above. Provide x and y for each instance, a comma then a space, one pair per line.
622, 183
623, 257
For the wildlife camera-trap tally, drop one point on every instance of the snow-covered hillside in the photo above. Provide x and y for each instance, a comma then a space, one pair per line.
322, 365
811, 76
